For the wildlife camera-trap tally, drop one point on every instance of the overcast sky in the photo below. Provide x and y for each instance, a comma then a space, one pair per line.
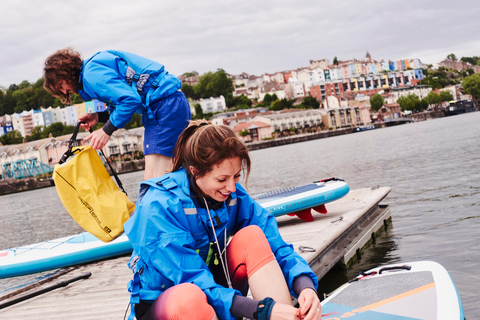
238, 36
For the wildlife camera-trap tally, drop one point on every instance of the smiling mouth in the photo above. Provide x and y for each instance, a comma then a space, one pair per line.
225, 194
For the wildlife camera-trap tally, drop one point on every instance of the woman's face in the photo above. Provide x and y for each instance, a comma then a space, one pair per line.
221, 180
66, 88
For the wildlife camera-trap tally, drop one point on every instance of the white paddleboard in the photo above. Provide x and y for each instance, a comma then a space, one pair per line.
416, 290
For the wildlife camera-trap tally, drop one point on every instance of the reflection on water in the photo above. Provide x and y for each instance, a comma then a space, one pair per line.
433, 168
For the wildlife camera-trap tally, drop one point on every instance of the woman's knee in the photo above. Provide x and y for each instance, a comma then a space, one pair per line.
249, 247
183, 301
249, 233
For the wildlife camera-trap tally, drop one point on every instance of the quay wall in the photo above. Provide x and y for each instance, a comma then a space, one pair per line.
427, 115
298, 138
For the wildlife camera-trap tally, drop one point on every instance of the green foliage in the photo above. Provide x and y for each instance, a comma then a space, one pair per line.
12, 137
198, 111
27, 96
446, 96
452, 57
335, 61
215, 85
189, 91
376, 101
135, 122
471, 85
242, 102
433, 98
310, 103
276, 105
412, 102
268, 99
190, 74
244, 133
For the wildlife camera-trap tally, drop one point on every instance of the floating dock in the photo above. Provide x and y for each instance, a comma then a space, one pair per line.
337, 237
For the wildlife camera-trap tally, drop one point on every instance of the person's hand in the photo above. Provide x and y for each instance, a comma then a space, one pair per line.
282, 311
310, 308
89, 119
98, 139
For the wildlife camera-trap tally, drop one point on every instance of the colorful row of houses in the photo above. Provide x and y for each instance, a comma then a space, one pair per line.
27, 120
321, 79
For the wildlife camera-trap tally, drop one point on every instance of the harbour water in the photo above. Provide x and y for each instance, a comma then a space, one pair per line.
433, 168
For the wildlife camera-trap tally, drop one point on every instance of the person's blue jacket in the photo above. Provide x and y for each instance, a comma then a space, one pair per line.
126, 82
170, 239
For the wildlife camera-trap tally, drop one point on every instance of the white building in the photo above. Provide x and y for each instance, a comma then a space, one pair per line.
420, 90
212, 104
297, 119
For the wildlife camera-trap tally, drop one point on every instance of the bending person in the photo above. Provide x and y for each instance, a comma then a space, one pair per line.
201, 241
128, 84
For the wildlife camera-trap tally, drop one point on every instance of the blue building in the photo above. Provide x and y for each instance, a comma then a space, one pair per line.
419, 74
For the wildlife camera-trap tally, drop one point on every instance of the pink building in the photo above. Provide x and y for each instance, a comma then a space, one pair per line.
257, 131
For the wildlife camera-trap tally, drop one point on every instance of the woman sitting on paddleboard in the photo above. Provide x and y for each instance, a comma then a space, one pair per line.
200, 241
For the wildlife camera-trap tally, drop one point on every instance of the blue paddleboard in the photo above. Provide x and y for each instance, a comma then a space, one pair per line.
84, 247
403, 291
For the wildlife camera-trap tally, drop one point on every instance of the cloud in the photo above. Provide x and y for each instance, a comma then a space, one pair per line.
238, 36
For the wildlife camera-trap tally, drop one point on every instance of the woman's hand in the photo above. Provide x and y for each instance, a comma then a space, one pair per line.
310, 308
282, 311
89, 119
98, 139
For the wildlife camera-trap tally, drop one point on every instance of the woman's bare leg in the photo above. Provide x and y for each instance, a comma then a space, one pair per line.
156, 165
269, 281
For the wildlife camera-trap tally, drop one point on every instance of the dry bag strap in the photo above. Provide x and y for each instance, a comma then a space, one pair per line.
69, 152
71, 142
119, 183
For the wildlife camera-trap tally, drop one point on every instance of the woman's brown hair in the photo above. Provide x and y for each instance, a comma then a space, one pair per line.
203, 145
63, 65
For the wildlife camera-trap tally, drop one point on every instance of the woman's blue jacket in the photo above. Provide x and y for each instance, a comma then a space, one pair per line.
126, 82
171, 238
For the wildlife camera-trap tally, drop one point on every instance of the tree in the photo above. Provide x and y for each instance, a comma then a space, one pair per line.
276, 105
55, 129
189, 91
36, 134
215, 85
433, 98
335, 61
471, 85
452, 57
190, 74
267, 99
446, 96
376, 101
21, 101
287, 104
244, 133
242, 102
411, 102
12, 137
135, 122
198, 111
310, 102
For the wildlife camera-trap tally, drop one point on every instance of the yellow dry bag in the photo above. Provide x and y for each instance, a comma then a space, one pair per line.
90, 195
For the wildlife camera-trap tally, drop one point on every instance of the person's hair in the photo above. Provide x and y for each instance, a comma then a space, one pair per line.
63, 65
203, 145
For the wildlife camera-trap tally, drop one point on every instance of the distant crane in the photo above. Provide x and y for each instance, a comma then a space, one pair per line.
24, 168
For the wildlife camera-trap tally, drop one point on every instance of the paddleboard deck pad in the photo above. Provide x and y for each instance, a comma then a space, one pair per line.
84, 247
416, 290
